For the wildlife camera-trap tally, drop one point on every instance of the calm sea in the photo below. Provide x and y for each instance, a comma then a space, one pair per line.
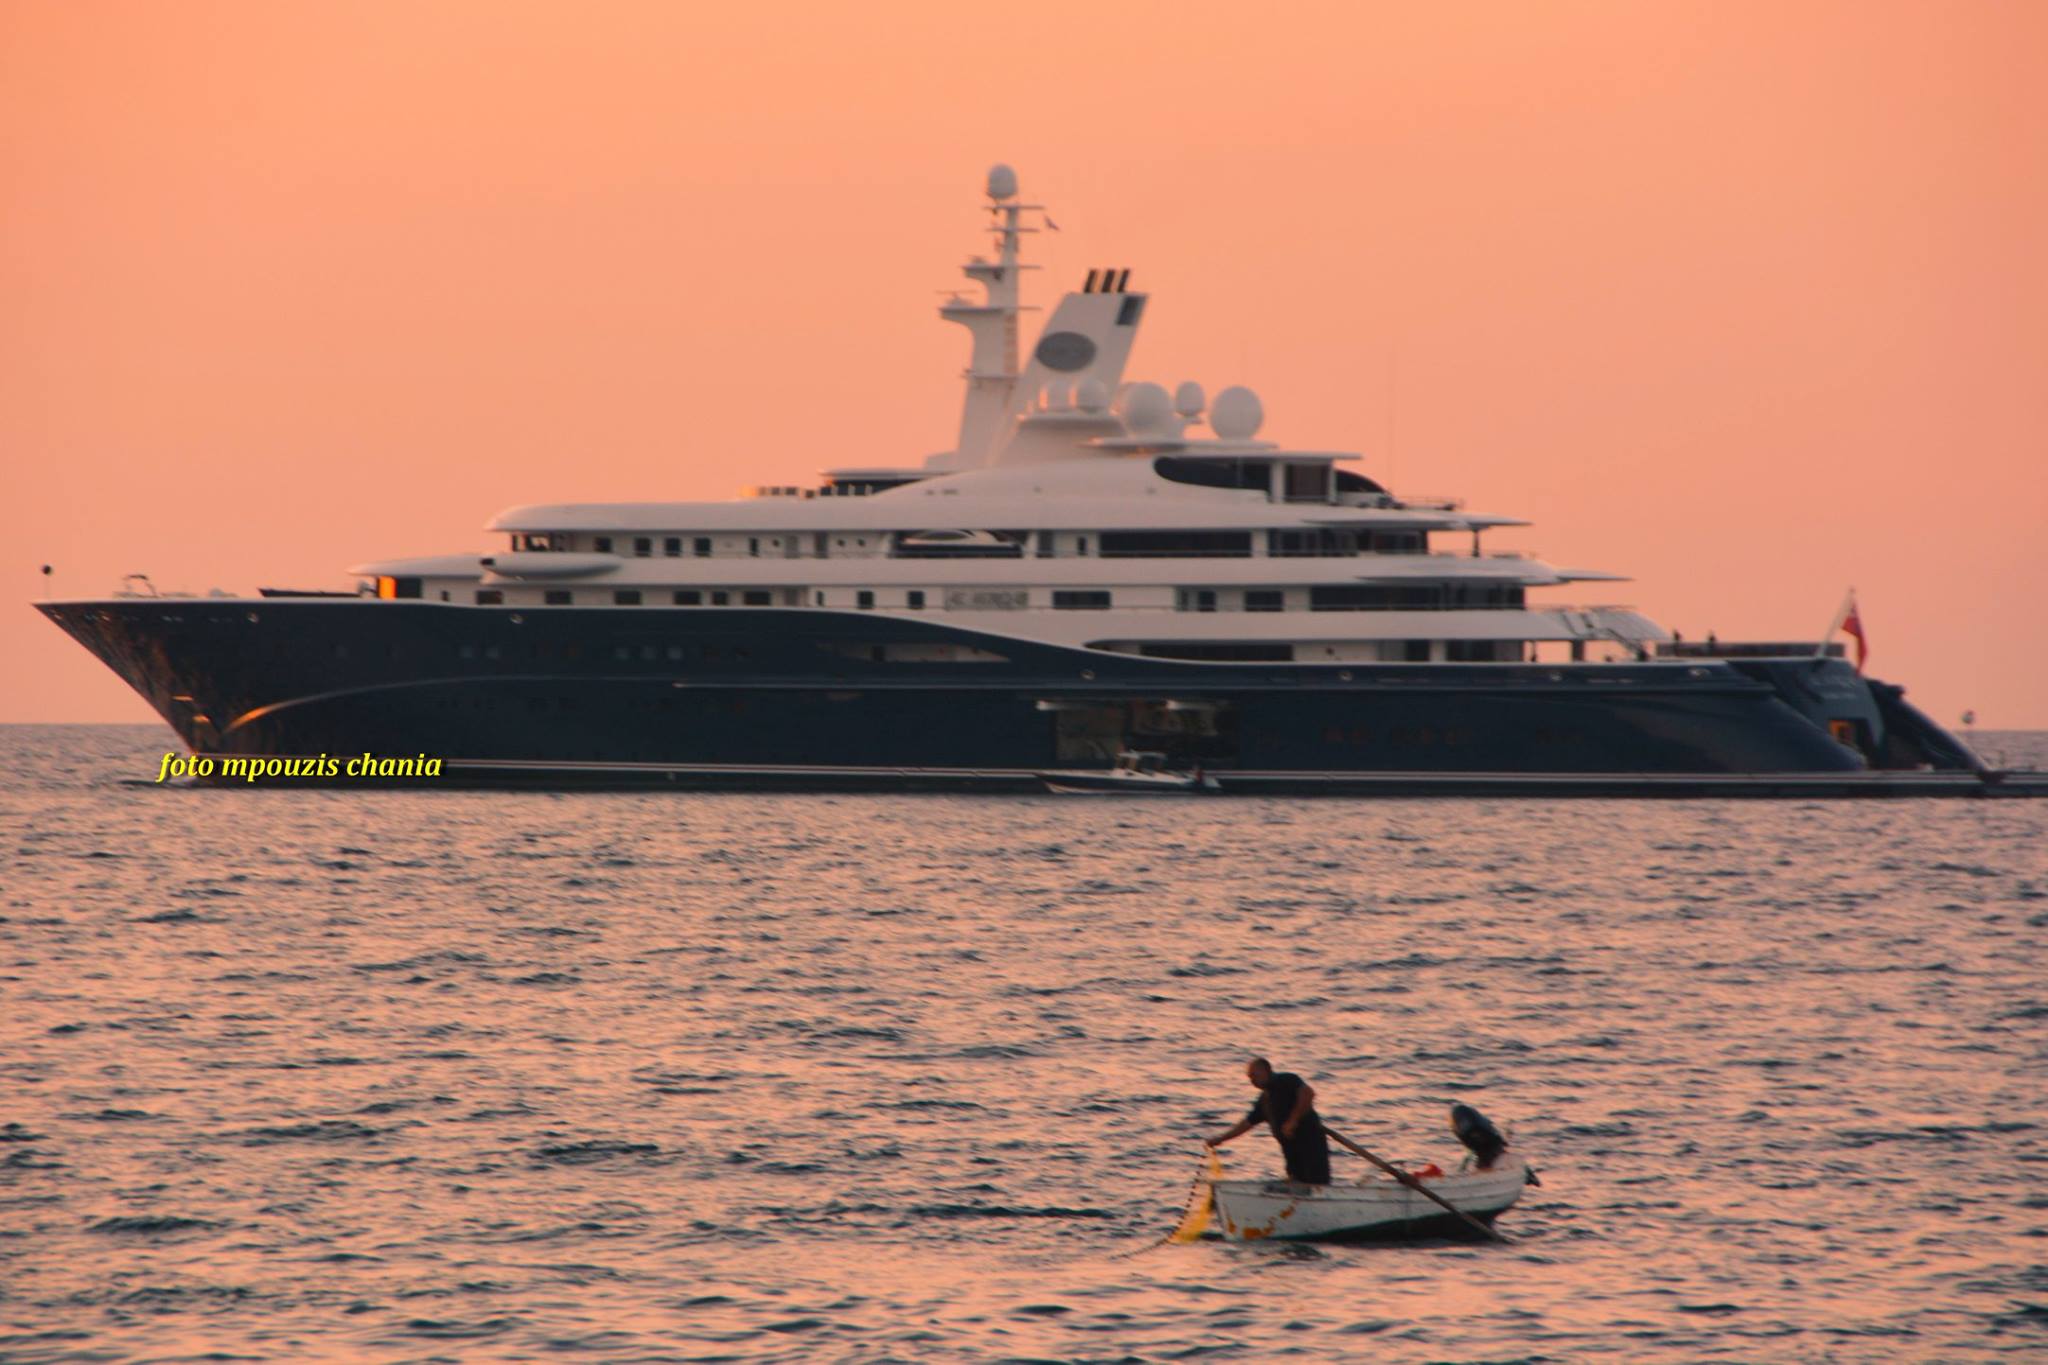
382, 1075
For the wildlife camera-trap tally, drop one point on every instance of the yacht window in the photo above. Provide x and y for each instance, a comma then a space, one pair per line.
820, 598
753, 545
1156, 544
672, 546
1487, 595
1250, 474
489, 597
557, 597
689, 597
821, 544
1128, 311
604, 545
864, 599
1419, 597
1317, 541
758, 597
1205, 599
915, 599
1081, 545
627, 597
643, 546
1080, 600
1046, 546
702, 546
1264, 599
1308, 483
1221, 652
720, 599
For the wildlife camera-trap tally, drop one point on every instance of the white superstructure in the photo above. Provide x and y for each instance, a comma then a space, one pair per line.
1076, 508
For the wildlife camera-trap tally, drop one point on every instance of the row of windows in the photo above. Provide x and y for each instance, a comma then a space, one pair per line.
1346, 597
1255, 599
1316, 541
1416, 597
1386, 651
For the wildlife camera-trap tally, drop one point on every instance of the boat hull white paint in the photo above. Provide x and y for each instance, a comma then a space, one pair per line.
1256, 1210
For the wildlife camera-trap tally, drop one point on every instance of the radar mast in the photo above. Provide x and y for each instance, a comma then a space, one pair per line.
992, 322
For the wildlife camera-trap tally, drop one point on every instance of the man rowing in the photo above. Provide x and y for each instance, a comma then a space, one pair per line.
1286, 1104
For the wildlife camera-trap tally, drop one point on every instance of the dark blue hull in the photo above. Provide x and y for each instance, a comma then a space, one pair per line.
819, 699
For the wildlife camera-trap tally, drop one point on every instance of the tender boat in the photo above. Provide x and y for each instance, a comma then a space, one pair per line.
1254, 1210
1136, 773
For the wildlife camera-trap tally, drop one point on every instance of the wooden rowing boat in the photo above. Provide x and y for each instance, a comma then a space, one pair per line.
1253, 1210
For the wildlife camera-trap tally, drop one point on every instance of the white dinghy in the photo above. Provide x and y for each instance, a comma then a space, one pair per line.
1137, 772
1253, 1210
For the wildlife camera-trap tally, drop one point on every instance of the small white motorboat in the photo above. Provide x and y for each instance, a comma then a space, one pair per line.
1253, 1210
1137, 772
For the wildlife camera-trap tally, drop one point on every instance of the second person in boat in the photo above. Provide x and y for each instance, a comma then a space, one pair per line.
1286, 1104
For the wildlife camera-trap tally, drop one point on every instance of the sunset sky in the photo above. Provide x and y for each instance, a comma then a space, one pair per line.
1748, 301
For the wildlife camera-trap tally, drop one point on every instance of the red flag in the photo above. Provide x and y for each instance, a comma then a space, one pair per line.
1853, 624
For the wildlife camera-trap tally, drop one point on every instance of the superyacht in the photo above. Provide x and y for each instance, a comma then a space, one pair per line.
1099, 566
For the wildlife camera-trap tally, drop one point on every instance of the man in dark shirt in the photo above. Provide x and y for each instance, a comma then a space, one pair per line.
1286, 1104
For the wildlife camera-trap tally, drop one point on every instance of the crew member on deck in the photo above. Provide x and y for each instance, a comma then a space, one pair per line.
1286, 1104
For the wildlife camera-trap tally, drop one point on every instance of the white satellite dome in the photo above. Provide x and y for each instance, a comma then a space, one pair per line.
1236, 414
1189, 400
1145, 408
1090, 395
1002, 182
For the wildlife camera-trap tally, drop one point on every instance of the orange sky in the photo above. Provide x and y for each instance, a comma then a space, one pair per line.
1747, 300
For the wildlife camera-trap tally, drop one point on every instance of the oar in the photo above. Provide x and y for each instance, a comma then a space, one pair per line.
1412, 1183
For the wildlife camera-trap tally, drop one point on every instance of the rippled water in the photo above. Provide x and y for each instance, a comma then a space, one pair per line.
400, 1075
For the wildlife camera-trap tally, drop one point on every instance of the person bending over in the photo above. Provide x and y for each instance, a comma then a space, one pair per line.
1286, 1104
